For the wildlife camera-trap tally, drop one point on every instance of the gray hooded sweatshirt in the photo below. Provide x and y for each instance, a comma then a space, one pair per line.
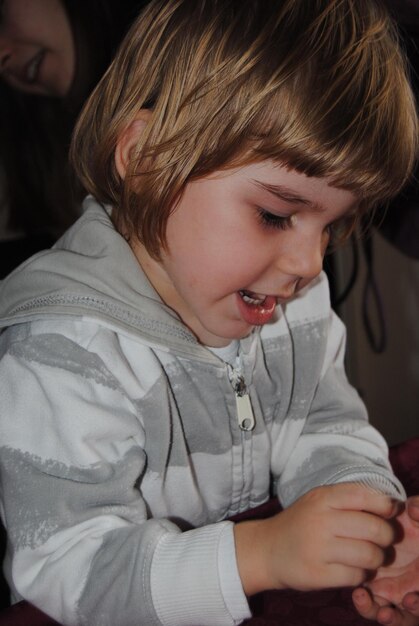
123, 447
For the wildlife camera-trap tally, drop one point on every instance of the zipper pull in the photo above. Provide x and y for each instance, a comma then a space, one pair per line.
245, 416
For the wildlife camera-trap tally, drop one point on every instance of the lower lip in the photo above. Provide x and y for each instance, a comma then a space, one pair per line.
256, 314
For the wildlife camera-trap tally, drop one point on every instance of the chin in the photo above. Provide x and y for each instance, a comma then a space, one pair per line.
221, 339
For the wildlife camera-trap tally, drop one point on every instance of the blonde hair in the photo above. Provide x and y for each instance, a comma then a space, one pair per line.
321, 86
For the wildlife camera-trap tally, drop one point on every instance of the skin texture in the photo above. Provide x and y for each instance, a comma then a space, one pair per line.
219, 244
261, 228
351, 529
392, 597
37, 53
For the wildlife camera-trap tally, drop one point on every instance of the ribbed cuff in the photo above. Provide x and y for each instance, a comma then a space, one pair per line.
230, 582
185, 579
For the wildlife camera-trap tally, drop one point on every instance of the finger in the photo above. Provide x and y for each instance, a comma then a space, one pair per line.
359, 554
352, 496
368, 606
365, 526
339, 575
364, 603
391, 616
411, 603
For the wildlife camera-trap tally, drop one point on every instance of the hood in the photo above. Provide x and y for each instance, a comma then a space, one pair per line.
92, 272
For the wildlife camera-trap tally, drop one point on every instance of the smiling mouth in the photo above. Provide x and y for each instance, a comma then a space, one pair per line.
32, 68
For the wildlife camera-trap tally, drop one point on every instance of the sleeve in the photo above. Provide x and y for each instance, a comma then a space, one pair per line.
335, 442
82, 545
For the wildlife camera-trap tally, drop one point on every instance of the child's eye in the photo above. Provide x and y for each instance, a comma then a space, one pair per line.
271, 220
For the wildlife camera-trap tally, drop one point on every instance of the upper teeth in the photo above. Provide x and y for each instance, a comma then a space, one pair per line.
252, 299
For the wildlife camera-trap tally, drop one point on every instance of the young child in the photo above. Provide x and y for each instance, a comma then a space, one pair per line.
174, 359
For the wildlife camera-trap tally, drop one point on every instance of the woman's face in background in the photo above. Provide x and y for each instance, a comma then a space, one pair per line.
37, 53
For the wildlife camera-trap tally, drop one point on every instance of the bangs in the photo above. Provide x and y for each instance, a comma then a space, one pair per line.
345, 136
319, 86
345, 111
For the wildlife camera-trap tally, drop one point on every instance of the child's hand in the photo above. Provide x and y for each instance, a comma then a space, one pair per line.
330, 537
396, 584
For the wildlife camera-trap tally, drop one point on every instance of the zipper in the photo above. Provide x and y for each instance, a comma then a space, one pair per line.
245, 415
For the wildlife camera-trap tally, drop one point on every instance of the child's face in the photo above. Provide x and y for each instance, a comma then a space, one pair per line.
241, 241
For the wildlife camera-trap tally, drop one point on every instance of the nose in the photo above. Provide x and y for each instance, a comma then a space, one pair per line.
303, 260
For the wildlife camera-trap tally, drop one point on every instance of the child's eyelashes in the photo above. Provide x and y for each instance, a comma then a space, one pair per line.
272, 220
337, 231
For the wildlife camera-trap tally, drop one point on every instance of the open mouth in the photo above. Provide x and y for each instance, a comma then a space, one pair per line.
255, 309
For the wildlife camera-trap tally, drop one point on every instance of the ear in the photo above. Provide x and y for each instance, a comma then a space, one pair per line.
128, 141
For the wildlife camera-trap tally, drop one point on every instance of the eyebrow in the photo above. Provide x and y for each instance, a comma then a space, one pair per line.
288, 195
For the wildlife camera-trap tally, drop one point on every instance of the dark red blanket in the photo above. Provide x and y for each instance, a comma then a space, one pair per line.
279, 608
